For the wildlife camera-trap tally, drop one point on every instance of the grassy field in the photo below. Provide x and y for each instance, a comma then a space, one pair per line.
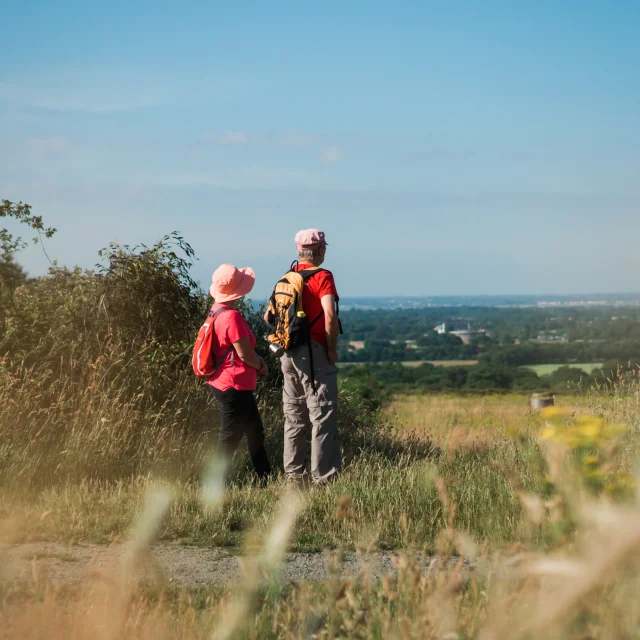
436, 416
486, 492
486, 448
437, 474
442, 363
490, 489
548, 369
540, 369
424, 430
417, 363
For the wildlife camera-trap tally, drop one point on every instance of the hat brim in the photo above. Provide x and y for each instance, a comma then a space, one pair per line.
244, 288
309, 247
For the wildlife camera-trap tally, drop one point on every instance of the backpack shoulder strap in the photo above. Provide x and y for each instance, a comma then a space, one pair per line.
215, 314
231, 349
286, 276
308, 273
305, 273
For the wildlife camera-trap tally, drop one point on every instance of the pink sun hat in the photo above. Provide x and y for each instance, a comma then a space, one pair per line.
310, 239
230, 283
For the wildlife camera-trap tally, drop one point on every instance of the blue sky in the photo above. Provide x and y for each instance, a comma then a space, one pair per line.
444, 147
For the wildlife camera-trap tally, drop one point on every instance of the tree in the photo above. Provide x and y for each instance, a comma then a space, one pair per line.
455, 377
486, 377
359, 381
526, 380
12, 275
525, 333
569, 377
10, 244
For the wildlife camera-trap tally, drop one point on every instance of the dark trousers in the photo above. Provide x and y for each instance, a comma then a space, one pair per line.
240, 416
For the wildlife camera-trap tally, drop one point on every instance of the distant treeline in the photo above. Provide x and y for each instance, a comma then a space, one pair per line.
622, 351
375, 382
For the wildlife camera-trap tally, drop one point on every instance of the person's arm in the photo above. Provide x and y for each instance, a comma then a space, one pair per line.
331, 326
247, 354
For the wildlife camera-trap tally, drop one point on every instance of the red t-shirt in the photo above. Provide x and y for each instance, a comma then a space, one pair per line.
315, 288
229, 327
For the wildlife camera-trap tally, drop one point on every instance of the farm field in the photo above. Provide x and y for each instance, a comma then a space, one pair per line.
442, 363
417, 363
438, 414
539, 369
548, 369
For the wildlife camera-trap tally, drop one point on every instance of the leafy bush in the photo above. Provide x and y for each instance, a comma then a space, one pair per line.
141, 296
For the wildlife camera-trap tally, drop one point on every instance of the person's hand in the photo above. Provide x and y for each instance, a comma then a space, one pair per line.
263, 371
333, 356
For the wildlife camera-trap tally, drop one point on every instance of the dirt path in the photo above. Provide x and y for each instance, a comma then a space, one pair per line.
177, 565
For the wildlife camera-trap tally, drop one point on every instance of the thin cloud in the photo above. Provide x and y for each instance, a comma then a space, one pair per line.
330, 155
72, 96
294, 140
27, 151
291, 140
44, 146
233, 137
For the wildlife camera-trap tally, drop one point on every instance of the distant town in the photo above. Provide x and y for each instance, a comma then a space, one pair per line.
504, 301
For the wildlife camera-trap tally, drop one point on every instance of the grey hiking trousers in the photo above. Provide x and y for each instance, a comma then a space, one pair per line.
308, 412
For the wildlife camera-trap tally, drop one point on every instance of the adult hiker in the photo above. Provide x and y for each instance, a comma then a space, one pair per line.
225, 356
303, 313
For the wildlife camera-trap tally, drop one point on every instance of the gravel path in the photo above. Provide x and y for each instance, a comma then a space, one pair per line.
178, 565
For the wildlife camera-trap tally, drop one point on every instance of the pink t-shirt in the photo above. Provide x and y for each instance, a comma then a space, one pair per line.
229, 327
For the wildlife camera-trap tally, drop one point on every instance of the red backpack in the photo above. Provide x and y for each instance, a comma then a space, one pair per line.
204, 360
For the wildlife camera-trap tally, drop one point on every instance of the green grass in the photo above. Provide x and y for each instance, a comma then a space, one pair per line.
436, 416
379, 493
475, 449
467, 499
548, 369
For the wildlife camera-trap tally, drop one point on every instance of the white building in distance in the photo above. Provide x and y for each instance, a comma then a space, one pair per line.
461, 329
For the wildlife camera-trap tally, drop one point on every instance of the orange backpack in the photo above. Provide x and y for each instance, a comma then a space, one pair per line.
286, 316
285, 313
203, 360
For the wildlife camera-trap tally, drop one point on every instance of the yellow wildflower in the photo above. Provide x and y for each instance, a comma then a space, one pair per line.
548, 433
591, 428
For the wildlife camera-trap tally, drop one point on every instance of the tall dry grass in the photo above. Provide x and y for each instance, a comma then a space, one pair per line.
586, 588
99, 425
90, 426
